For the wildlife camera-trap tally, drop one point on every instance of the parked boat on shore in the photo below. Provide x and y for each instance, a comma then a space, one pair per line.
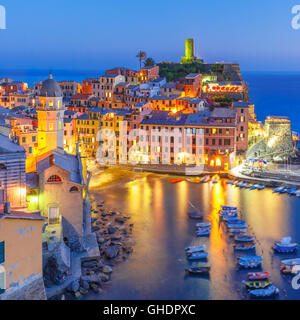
203, 232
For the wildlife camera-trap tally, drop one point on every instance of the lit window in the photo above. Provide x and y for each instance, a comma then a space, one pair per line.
54, 178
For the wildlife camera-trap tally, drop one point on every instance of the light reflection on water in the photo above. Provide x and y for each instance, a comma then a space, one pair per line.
162, 230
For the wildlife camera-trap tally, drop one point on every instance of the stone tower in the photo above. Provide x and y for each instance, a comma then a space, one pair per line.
50, 112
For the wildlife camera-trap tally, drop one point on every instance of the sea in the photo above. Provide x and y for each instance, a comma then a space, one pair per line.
273, 93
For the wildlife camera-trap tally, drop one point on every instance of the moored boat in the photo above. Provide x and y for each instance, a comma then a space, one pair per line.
238, 231
258, 275
270, 291
244, 246
197, 255
193, 249
203, 232
285, 245
249, 264
229, 182
204, 179
278, 189
203, 224
175, 180
256, 284
215, 179
261, 186
241, 238
195, 215
198, 270
236, 225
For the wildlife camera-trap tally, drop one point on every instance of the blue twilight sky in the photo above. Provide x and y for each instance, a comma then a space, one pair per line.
95, 34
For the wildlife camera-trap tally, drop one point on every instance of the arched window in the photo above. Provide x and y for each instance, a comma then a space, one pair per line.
54, 178
74, 189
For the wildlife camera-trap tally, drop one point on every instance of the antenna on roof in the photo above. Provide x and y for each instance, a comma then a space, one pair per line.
50, 74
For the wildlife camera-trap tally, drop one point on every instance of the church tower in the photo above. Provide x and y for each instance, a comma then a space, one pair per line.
50, 112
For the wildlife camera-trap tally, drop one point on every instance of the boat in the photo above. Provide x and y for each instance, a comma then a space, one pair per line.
297, 193
198, 270
229, 182
234, 220
285, 245
229, 208
261, 186
286, 269
251, 258
203, 233
195, 215
241, 238
270, 291
228, 219
249, 264
244, 246
291, 262
256, 284
254, 186
258, 275
203, 224
197, 255
215, 179
278, 189
228, 214
237, 233
291, 191
194, 180
193, 249
204, 179
238, 230
238, 225
284, 190
175, 180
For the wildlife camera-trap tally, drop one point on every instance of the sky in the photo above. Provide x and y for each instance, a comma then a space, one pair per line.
99, 34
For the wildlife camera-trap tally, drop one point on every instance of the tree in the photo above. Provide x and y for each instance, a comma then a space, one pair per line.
141, 56
149, 62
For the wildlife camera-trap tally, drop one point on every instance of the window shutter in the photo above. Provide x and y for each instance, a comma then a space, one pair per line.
2, 252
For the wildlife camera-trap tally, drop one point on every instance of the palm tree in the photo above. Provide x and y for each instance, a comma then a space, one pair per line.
149, 62
141, 56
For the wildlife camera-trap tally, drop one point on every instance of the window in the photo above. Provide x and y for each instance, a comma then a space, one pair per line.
54, 215
54, 178
74, 189
33, 138
2, 252
30, 150
23, 139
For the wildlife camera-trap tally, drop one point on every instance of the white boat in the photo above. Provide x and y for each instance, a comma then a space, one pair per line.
203, 224
204, 179
291, 262
193, 249
296, 193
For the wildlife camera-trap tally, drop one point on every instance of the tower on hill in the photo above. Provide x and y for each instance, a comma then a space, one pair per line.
189, 52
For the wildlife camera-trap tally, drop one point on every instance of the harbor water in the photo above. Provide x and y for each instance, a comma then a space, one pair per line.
162, 230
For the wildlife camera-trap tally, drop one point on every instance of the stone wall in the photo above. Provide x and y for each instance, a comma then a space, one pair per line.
31, 290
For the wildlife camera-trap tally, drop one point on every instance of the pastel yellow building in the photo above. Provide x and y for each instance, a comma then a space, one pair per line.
21, 266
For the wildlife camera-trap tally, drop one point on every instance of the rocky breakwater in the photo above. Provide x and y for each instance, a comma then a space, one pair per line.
114, 237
